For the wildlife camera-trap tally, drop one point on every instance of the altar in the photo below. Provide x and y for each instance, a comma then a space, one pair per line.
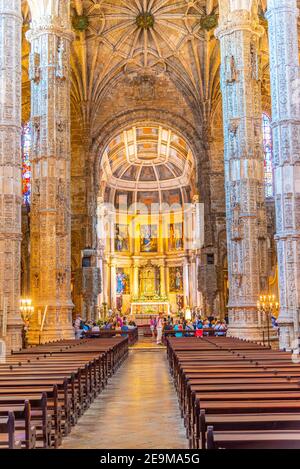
142, 311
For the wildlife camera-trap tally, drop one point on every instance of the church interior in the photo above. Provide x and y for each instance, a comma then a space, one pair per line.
150, 171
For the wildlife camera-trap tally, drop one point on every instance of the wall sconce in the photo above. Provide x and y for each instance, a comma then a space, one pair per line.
26, 310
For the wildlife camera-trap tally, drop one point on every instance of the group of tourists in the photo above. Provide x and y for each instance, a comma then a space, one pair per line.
197, 326
115, 323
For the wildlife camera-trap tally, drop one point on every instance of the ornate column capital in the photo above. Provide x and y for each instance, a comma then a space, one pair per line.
50, 17
282, 5
239, 20
38, 30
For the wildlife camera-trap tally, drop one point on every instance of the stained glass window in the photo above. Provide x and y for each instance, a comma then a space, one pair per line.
26, 165
268, 151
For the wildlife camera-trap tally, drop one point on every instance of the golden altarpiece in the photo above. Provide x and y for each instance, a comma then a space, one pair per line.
147, 215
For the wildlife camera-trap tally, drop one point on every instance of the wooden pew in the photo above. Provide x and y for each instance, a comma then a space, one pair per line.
260, 439
59, 381
8, 438
228, 381
23, 423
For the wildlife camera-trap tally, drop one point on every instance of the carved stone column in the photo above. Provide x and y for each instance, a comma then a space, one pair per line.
285, 85
239, 34
10, 172
49, 70
91, 279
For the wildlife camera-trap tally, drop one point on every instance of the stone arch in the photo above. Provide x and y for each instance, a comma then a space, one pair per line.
183, 128
172, 121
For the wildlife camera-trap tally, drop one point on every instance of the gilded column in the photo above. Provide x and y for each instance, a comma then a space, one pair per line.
186, 284
10, 171
136, 288
49, 70
239, 33
194, 280
104, 282
162, 269
199, 301
113, 285
285, 85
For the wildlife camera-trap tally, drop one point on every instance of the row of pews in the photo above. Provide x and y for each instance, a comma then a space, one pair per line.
44, 390
235, 394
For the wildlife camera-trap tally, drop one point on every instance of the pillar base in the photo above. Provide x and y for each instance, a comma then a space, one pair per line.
13, 338
288, 339
253, 333
36, 337
57, 326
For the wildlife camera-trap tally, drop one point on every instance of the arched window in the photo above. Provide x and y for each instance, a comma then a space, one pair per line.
26, 164
268, 152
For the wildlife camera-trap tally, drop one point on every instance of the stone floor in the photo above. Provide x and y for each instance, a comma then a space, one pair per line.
138, 409
147, 343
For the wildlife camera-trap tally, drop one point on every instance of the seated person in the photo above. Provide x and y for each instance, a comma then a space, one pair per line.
220, 329
124, 328
131, 325
199, 329
274, 322
206, 325
95, 328
188, 328
178, 327
86, 327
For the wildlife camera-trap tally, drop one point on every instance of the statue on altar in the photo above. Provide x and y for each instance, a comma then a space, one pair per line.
122, 282
176, 279
149, 281
175, 237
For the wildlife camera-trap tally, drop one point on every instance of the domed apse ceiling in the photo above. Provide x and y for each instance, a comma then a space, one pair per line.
148, 164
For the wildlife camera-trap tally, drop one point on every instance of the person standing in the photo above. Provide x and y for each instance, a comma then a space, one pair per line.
77, 327
152, 326
159, 329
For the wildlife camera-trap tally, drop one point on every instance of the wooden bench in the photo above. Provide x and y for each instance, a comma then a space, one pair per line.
258, 439
58, 382
223, 383
8, 437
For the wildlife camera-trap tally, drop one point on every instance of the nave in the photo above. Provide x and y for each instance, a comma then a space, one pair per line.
138, 409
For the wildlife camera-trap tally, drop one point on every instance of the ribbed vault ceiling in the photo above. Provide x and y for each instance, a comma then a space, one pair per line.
117, 37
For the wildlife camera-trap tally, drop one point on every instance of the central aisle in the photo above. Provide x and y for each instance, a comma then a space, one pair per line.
138, 409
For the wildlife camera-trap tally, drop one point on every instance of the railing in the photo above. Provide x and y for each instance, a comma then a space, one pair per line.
132, 334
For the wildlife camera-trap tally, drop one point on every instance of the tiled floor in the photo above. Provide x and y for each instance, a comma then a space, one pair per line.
138, 409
